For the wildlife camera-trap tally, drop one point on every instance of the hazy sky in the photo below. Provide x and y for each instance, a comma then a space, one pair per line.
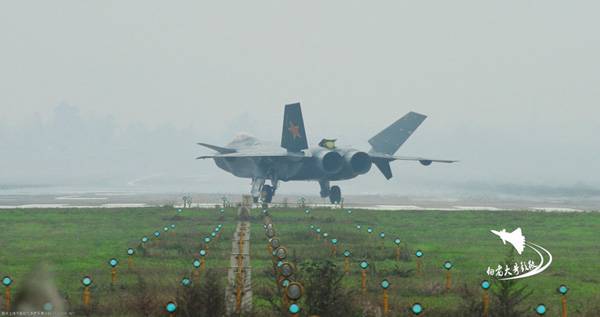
511, 88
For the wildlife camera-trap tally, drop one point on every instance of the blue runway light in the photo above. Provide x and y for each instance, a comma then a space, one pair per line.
563, 289
417, 308
294, 308
385, 284
171, 307
86, 281
486, 284
541, 309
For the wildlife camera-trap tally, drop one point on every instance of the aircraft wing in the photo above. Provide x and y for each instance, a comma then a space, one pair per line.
382, 161
423, 160
256, 155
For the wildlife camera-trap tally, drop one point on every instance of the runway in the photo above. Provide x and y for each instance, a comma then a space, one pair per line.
132, 199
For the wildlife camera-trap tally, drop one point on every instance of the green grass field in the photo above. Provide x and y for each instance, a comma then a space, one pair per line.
78, 242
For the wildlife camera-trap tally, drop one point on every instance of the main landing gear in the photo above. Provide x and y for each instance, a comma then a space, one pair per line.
267, 193
333, 192
260, 190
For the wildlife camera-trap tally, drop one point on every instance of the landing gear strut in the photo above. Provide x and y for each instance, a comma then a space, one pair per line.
334, 192
257, 185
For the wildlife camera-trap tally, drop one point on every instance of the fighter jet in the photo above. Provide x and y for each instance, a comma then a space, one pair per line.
294, 160
515, 238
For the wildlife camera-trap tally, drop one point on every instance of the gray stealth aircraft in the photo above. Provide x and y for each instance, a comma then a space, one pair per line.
293, 160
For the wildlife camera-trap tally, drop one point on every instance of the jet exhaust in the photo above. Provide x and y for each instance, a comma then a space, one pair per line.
329, 162
358, 162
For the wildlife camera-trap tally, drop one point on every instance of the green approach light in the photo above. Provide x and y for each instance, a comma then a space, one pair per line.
485, 284
202, 252
318, 230
385, 284
325, 235
171, 307
294, 308
6, 281
113, 262
563, 289
363, 264
397, 241
220, 226
382, 235
307, 211
334, 241
130, 251
448, 265
166, 228
144, 239
346, 253
207, 240
417, 308
369, 230
358, 227
419, 253
179, 210
541, 309
196, 263
156, 234
312, 227
185, 281
86, 280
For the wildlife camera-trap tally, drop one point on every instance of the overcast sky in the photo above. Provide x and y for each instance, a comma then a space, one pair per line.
510, 88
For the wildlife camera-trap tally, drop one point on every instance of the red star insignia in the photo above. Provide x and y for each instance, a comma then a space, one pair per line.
294, 129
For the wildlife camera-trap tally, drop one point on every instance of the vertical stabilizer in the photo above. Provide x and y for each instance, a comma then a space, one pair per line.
293, 136
391, 138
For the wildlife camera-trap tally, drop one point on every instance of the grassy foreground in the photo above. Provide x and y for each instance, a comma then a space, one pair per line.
79, 242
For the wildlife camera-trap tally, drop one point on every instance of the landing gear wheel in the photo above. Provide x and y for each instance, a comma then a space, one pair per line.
335, 194
267, 193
